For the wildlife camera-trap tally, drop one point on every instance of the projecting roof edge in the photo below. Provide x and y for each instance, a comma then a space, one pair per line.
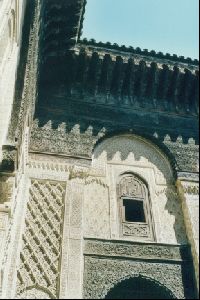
123, 51
126, 56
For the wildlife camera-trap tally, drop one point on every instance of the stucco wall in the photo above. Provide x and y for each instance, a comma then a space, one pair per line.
119, 155
11, 21
91, 210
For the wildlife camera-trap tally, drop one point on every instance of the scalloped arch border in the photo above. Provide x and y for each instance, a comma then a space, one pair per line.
152, 141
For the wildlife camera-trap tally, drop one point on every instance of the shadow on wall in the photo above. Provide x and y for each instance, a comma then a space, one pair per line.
173, 206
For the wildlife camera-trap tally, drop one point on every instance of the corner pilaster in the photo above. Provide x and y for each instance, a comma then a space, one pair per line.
72, 258
188, 189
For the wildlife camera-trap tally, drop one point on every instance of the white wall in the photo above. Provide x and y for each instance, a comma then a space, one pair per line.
130, 154
11, 20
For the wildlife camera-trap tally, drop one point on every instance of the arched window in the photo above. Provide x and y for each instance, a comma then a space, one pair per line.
134, 206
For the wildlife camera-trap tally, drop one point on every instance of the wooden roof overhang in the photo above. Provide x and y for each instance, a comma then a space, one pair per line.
79, 76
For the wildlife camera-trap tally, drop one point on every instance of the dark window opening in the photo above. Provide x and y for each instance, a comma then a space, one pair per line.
134, 211
139, 288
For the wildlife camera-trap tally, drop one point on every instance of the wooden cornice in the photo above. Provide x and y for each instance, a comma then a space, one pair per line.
110, 74
61, 24
125, 81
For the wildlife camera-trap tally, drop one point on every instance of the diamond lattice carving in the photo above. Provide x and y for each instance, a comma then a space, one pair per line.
41, 252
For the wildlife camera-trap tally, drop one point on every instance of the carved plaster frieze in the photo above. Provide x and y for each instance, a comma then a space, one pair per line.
103, 274
147, 251
64, 169
186, 155
47, 139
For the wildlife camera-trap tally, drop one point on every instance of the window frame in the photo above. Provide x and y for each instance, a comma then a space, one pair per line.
148, 224
124, 209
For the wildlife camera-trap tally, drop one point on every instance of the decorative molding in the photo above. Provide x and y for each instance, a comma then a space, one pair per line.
86, 176
136, 230
190, 177
135, 250
69, 169
131, 186
55, 163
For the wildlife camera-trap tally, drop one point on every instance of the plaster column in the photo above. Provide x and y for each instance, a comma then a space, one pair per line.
6, 190
72, 258
188, 188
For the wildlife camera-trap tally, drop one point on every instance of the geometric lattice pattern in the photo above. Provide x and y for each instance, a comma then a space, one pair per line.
41, 252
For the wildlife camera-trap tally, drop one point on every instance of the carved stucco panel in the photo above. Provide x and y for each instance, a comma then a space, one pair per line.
96, 211
74, 274
3, 228
186, 155
73, 257
42, 238
103, 274
61, 140
34, 293
135, 250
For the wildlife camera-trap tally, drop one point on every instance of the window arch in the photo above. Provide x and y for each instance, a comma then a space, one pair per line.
135, 208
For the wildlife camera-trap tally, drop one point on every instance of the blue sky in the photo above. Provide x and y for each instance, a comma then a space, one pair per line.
162, 25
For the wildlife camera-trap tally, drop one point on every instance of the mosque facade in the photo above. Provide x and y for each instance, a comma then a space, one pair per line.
99, 155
